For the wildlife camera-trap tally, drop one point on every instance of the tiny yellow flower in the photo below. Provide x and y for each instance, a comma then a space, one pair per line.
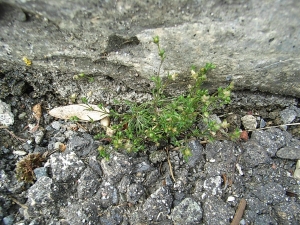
204, 98
224, 124
194, 74
226, 93
27, 61
174, 76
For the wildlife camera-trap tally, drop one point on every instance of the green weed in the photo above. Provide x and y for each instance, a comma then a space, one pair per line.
170, 120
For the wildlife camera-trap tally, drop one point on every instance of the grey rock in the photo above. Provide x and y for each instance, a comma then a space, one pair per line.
81, 212
95, 165
134, 193
66, 167
38, 136
270, 193
158, 205
8, 220
143, 167
215, 211
88, 184
291, 151
265, 219
187, 212
22, 115
107, 195
196, 149
221, 155
151, 178
297, 171
254, 154
113, 216
249, 122
288, 115
40, 172
271, 139
6, 116
118, 166
56, 125
288, 213
82, 146
262, 123
256, 208
124, 184
42, 197
220, 151
158, 156
212, 185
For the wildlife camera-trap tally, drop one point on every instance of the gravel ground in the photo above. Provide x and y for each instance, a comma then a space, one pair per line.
75, 186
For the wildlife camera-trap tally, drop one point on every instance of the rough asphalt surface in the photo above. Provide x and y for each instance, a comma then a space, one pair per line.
77, 187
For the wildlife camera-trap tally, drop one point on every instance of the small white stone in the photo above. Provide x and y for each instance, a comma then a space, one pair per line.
17, 152
230, 199
239, 168
249, 122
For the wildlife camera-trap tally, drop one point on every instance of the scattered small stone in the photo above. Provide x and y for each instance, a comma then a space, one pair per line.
270, 193
297, 171
291, 151
65, 167
288, 115
40, 172
88, 184
134, 192
249, 122
262, 123
56, 125
254, 154
117, 167
288, 212
271, 139
38, 136
215, 211
22, 115
20, 153
230, 199
42, 196
8, 220
187, 212
158, 205
212, 185
196, 149
6, 116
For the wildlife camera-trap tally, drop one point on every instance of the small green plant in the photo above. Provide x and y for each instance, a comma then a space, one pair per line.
74, 119
170, 120
103, 153
83, 76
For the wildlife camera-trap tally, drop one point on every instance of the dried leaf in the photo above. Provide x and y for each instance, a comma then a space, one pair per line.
37, 111
82, 111
62, 147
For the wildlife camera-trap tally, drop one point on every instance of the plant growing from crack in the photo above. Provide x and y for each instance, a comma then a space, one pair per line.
169, 120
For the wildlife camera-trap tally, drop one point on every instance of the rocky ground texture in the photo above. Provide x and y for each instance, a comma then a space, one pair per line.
44, 44
75, 186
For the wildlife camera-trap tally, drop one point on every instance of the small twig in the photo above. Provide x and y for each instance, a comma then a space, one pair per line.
12, 134
19, 203
170, 165
239, 212
288, 124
